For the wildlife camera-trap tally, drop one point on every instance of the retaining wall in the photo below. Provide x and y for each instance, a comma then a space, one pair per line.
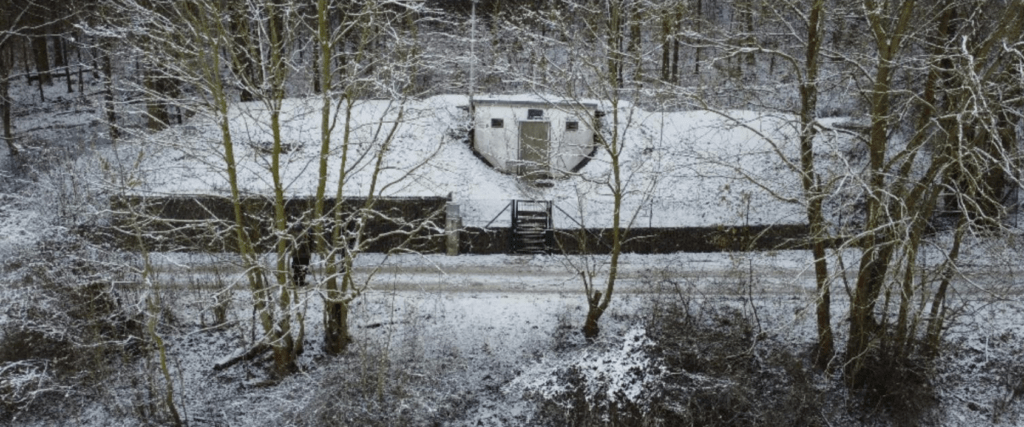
204, 223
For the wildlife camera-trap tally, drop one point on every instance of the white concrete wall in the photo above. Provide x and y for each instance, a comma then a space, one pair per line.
500, 146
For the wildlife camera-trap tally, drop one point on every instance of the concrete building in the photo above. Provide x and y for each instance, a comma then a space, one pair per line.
534, 138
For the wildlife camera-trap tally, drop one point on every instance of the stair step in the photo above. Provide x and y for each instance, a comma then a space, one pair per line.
542, 219
541, 224
532, 222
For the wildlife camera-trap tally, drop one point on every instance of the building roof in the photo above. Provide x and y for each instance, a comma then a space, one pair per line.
530, 102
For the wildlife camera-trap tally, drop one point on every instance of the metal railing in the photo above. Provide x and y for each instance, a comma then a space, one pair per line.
545, 208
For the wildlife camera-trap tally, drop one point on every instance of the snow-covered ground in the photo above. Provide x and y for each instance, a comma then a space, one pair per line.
468, 340
472, 356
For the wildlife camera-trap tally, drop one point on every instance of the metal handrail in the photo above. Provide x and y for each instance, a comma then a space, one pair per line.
567, 215
547, 209
498, 215
582, 227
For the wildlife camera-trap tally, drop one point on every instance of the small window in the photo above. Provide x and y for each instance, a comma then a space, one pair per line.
572, 125
497, 123
534, 114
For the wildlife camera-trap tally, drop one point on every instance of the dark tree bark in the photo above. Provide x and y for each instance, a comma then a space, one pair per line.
108, 96
6, 61
242, 64
666, 29
41, 55
811, 186
878, 243
156, 107
696, 54
59, 59
675, 47
26, 58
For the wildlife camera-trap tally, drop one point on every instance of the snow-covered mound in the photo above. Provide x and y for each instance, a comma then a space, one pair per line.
680, 169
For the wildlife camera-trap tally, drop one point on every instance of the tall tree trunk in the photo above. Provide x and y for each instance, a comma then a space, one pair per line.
597, 301
284, 345
811, 186
156, 108
749, 40
275, 335
904, 324
26, 58
699, 17
41, 54
242, 63
5, 97
614, 23
336, 336
666, 29
878, 243
635, 42
938, 311
108, 95
278, 41
59, 59
675, 47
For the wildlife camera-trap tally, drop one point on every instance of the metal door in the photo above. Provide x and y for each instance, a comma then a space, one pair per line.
533, 147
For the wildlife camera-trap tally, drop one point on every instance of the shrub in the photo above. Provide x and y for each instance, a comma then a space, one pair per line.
690, 364
599, 385
899, 384
64, 326
725, 374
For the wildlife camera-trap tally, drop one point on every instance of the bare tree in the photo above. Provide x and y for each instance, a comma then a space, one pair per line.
957, 133
950, 146
187, 41
18, 21
578, 76
191, 44
11, 24
374, 40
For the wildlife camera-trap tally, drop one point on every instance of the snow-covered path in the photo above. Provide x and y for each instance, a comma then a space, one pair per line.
779, 272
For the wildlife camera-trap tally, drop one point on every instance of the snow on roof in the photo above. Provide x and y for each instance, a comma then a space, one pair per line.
532, 99
680, 168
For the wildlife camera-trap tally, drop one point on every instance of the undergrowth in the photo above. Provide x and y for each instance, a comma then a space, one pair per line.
684, 363
66, 329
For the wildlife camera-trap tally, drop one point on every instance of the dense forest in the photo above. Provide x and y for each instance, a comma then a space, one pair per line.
898, 124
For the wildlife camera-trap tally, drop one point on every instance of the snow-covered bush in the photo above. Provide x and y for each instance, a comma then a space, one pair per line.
29, 365
597, 385
63, 323
723, 371
695, 361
